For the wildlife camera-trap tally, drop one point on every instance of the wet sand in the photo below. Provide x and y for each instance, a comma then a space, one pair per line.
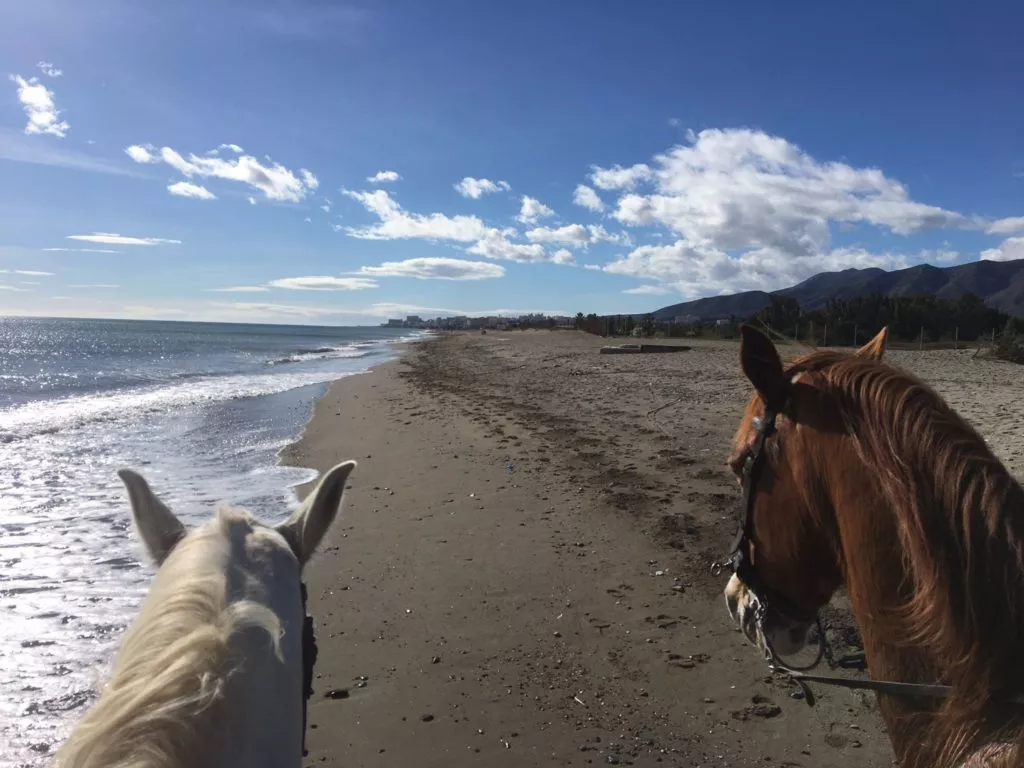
522, 573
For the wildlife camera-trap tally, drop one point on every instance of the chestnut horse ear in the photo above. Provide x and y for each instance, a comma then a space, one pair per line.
761, 364
875, 348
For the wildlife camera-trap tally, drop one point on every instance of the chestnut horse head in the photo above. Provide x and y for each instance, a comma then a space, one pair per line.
858, 474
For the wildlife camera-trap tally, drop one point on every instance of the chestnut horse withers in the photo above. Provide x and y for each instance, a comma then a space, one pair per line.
864, 477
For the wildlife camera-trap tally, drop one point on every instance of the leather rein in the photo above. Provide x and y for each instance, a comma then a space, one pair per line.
739, 560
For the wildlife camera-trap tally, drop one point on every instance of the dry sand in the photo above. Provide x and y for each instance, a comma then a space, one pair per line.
522, 574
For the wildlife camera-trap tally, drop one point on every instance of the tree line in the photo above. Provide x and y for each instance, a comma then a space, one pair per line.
840, 322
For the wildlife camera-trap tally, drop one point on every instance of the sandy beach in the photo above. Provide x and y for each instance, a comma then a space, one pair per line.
522, 574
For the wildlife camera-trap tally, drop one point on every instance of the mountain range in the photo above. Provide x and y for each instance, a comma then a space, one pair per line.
1000, 284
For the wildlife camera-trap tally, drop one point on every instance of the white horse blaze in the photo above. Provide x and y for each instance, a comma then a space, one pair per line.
224, 591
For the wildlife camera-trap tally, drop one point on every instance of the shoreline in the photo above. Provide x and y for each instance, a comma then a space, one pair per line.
288, 455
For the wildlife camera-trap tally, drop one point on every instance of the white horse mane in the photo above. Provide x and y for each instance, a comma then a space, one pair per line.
165, 702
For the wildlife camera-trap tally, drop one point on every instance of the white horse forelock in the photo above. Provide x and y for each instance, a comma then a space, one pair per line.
217, 636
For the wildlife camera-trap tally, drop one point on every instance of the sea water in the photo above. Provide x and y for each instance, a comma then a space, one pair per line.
201, 409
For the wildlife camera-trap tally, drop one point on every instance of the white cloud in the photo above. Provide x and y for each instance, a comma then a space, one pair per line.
746, 189
940, 255
594, 267
476, 188
272, 179
396, 224
575, 235
382, 177
700, 270
436, 268
751, 210
496, 245
141, 154
26, 272
588, 198
326, 207
82, 250
618, 177
187, 189
110, 238
323, 283
1008, 226
1010, 249
648, 290
49, 70
233, 147
37, 101
564, 257
12, 288
533, 209
94, 285
240, 289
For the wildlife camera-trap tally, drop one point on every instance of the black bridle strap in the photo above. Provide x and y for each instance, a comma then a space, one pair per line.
309, 653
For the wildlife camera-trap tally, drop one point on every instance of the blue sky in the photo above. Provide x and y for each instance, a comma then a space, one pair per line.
342, 162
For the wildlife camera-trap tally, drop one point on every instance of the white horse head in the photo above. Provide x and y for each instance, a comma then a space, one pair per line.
210, 672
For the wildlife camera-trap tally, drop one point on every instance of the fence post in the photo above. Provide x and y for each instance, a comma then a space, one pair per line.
920, 340
956, 338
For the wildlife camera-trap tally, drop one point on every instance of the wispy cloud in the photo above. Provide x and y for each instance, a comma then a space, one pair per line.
382, 177
26, 272
110, 238
94, 285
82, 250
19, 148
187, 189
436, 268
49, 70
476, 188
275, 181
12, 288
38, 103
323, 283
648, 290
240, 289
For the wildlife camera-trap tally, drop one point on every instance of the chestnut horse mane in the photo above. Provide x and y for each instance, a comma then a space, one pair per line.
960, 517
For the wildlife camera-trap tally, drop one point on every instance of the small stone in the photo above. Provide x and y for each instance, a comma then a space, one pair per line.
426, 718
436, 660
337, 693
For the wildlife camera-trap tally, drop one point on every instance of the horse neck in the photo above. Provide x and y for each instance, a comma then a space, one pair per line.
881, 584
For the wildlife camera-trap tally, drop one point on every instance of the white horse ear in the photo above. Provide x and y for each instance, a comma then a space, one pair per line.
306, 527
159, 529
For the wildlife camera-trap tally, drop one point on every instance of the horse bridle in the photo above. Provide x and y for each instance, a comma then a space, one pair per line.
764, 597
740, 561
309, 652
